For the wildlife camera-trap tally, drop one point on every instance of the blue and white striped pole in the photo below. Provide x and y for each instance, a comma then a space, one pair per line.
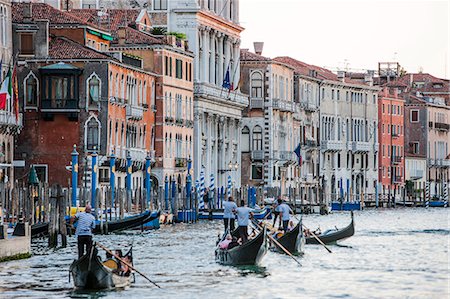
74, 175
166, 193
211, 189
112, 177
202, 183
445, 194
427, 194
229, 186
93, 179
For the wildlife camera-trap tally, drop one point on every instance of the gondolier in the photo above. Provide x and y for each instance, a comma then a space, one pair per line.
243, 214
85, 225
229, 207
284, 211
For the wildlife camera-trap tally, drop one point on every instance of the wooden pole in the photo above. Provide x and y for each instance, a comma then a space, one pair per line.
62, 201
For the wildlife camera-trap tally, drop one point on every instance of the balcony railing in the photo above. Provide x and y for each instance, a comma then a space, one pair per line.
59, 105
257, 155
180, 162
441, 126
416, 173
445, 163
179, 121
431, 162
311, 143
286, 156
169, 119
137, 154
135, 112
256, 103
397, 159
360, 146
283, 105
331, 145
309, 106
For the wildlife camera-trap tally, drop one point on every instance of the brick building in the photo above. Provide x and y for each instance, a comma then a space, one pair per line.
391, 155
74, 93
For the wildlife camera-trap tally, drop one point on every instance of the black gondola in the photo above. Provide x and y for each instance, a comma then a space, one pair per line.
249, 253
291, 241
89, 273
331, 236
39, 229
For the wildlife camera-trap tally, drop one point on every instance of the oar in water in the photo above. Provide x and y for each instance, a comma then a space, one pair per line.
315, 237
127, 264
279, 245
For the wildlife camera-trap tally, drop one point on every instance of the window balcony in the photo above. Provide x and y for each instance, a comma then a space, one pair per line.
309, 106
258, 155
169, 119
138, 154
286, 156
441, 126
179, 122
134, 112
416, 174
331, 145
398, 179
59, 105
396, 159
360, 146
311, 143
283, 105
256, 103
395, 135
445, 163
431, 162
8, 119
180, 162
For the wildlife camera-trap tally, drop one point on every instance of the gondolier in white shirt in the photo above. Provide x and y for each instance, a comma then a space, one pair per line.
284, 211
229, 208
243, 214
85, 225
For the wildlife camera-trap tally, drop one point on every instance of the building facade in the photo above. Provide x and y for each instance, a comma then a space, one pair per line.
10, 123
391, 155
268, 137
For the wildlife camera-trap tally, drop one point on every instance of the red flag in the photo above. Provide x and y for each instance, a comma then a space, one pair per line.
15, 95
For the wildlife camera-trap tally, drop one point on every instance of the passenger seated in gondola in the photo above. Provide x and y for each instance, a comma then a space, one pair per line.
307, 232
224, 243
290, 226
234, 243
278, 234
124, 269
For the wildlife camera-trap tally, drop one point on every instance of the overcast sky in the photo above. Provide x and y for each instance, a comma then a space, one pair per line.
352, 34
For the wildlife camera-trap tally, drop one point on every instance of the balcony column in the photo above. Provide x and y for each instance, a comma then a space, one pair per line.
237, 69
212, 57
198, 143
227, 54
220, 62
238, 153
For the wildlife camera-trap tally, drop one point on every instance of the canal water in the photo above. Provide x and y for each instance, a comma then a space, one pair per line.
401, 253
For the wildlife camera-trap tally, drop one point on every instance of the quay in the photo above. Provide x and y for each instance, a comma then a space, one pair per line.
15, 245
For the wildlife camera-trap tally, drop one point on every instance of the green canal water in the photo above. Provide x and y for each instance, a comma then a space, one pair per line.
401, 253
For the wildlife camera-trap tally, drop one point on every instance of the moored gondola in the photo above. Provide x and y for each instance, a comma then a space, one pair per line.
292, 240
332, 236
249, 253
90, 273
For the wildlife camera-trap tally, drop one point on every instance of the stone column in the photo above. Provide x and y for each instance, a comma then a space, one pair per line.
205, 66
238, 149
227, 53
198, 143
212, 58
197, 58
236, 68
208, 146
220, 63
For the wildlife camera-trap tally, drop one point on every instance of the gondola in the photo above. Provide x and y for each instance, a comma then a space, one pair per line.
217, 214
90, 273
249, 253
331, 236
39, 229
292, 241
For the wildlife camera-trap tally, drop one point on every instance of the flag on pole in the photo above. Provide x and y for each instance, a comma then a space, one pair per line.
15, 94
5, 93
226, 81
1, 69
299, 154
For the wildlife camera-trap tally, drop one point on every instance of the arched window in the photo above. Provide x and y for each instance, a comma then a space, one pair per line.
93, 90
92, 131
257, 84
31, 90
257, 138
245, 139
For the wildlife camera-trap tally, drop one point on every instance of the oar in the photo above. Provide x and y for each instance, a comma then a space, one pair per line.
279, 245
315, 237
117, 257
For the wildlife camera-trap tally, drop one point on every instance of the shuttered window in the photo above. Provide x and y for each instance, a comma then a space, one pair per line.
26, 44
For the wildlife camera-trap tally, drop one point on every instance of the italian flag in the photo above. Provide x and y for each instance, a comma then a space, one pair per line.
6, 91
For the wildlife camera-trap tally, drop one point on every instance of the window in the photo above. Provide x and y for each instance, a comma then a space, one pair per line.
41, 172
31, 87
257, 172
178, 69
257, 82
414, 117
94, 90
166, 66
92, 134
257, 138
383, 109
159, 4
415, 147
245, 139
170, 66
26, 44
103, 175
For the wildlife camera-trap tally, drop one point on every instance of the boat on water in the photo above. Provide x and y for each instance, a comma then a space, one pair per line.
249, 253
90, 273
333, 235
292, 241
105, 227
217, 214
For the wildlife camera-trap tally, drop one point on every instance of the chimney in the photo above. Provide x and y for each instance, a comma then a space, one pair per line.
368, 78
341, 76
258, 47
121, 35
27, 12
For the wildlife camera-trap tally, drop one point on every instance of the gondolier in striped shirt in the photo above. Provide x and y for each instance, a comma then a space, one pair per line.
85, 225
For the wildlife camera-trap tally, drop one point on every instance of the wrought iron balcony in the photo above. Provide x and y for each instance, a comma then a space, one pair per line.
59, 105
441, 126
256, 103
257, 155
134, 112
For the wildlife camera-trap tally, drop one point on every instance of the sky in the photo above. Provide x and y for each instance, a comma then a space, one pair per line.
352, 35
